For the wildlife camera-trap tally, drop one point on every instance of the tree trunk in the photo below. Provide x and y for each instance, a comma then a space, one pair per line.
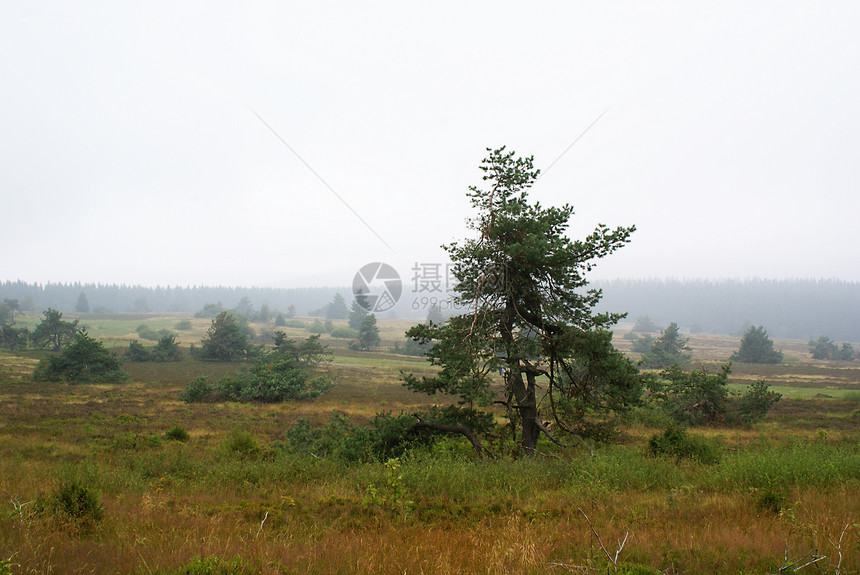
530, 415
527, 406
525, 395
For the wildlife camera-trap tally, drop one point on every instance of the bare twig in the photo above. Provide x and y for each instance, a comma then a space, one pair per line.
608, 556
838, 546
620, 547
789, 566
262, 523
815, 559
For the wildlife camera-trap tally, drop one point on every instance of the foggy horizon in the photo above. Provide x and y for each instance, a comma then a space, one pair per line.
267, 145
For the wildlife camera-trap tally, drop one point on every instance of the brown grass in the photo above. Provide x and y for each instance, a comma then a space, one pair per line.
166, 502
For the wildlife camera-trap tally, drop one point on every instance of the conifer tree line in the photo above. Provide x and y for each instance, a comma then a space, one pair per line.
796, 308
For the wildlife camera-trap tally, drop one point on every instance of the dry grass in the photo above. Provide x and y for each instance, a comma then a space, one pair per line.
166, 502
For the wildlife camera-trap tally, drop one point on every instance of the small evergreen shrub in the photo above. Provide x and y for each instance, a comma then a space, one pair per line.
755, 403
196, 390
137, 352
74, 505
282, 374
85, 360
176, 433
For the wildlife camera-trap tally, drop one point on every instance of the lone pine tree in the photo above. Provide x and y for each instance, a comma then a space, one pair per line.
529, 314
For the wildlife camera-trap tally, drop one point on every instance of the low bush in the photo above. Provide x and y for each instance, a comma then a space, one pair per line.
677, 443
754, 403
137, 352
699, 397
242, 443
85, 360
384, 437
176, 433
146, 332
344, 333
770, 500
197, 390
282, 374
74, 505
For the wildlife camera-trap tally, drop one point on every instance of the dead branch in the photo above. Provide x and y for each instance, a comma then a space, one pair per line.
789, 566
612, 560
838, 546
546, 432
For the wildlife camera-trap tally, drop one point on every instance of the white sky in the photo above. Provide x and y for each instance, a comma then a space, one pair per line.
130, 151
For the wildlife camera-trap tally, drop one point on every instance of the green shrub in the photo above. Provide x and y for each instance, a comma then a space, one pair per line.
84, 360
242, 443
14, 338
694, 397
146, 332
677, 443
74, 505
383, 438
757, 347
282, 374
197, 390
755, 403
770, 500
296, 323
280, 380
137, 352
412, 347
154, 440
227, 338
166, 349
183, 325
176, 433
344, 332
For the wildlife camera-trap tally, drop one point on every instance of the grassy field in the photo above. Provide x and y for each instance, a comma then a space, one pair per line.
231, 499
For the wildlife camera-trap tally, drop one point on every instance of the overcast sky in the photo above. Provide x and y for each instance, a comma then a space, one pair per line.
131, 150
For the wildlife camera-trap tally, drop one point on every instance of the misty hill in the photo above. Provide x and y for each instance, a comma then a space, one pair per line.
798, 309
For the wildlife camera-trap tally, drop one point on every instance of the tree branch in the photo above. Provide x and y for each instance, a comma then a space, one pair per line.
546, 432
464, 431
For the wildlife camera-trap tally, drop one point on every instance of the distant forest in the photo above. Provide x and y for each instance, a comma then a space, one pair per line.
795, 309
791, 309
